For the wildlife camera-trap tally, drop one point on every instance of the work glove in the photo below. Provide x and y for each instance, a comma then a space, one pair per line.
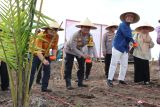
135, 44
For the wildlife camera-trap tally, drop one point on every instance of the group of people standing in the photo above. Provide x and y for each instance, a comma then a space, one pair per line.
115, 46
117, 42
142, 44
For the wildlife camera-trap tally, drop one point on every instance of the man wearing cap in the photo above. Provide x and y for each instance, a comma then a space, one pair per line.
107, 46
90, 50
121, 47
142, 54
42, 53
73, 49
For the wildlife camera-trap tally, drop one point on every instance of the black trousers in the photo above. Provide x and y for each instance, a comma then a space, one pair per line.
141, 70
4, 76
88, 69
107, 63
69, 59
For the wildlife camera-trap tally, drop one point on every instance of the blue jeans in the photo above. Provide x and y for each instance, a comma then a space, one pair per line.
46, 72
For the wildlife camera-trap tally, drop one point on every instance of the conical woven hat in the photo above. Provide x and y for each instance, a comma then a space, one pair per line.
86, 22
53, 25
145, 26
136, 16
111, 26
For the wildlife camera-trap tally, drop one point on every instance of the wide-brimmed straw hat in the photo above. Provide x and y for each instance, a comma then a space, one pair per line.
86, 22
53, 25
113, 25
136, 16
145, 26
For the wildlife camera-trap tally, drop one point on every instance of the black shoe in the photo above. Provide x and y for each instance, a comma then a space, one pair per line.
82, 85
5, 89
109, 83
122, 82
69, 88
46, 90
39, 83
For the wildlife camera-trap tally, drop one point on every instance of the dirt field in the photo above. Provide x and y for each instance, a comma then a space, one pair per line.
97, 94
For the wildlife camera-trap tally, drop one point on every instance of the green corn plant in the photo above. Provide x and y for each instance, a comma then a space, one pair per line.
18, 19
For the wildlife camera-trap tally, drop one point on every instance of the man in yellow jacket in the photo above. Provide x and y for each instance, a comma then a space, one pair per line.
42, 53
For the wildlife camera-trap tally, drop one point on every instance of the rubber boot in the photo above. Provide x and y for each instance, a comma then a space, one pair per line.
68, 84
80, 84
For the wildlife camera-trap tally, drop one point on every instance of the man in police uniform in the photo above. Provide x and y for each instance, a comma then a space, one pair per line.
73, 49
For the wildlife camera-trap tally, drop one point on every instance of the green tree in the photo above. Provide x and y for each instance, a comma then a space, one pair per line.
18, 19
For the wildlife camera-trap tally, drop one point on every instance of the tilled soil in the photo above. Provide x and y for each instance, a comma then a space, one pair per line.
97, 94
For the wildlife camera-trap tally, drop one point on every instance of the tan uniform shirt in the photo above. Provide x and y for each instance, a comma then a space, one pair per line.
76, 43
145, 44
107, 42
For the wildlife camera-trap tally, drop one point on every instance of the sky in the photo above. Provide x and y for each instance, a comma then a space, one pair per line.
103, 12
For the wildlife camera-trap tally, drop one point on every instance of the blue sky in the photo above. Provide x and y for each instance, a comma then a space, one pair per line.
104, 12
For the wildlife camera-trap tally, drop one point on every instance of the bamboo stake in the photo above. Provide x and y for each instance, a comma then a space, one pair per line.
62, 66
